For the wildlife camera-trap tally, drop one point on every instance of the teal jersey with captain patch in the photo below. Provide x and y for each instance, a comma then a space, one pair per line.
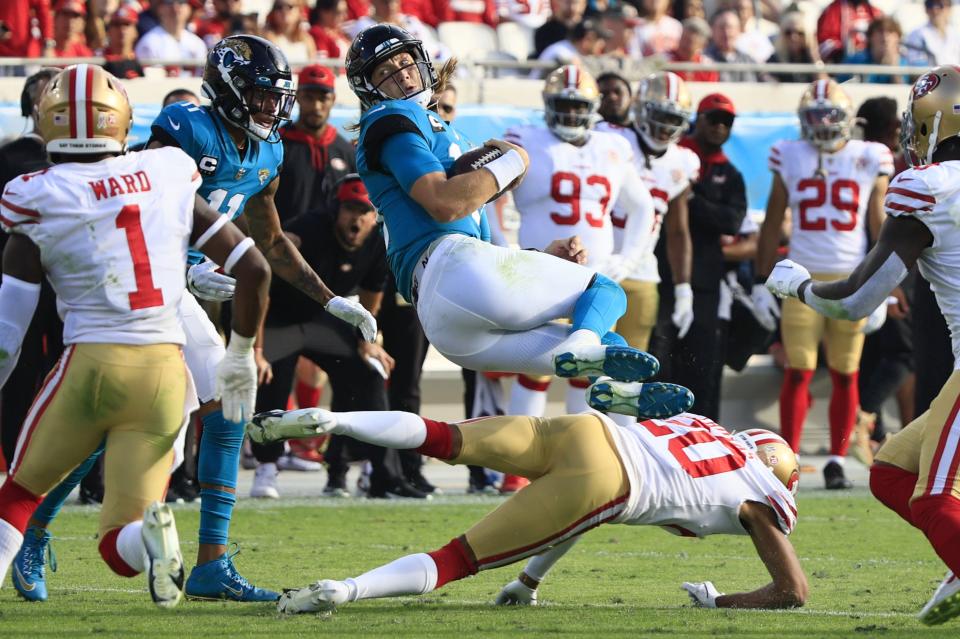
229, 180
400, 142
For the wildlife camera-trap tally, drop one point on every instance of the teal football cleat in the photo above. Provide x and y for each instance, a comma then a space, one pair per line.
652, 400
219, 579
29, 566
622, 363
281, 425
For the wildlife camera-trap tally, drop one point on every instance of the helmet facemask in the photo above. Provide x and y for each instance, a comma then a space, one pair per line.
569, 118
371, 94
661, 124
275, 104
825, 126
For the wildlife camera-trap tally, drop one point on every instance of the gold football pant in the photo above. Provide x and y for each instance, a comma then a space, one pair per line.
578, 482
803, 328
132, 395
637, 323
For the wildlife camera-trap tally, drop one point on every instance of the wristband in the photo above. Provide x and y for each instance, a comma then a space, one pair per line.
506, 168
240, 344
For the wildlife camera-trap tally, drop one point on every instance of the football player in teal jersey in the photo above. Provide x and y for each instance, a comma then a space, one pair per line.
484, 307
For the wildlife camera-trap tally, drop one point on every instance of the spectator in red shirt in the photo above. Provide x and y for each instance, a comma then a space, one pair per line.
121, 36
423, 10
68, 24
327, 18
484, 11
693, 39
16, 38
213, 29
842, 28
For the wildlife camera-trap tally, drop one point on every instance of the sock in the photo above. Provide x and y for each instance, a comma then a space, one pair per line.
17, 505
130, 546
453, 562
307, 396
438, 442
600, 306
893, 487
836, 459
577, 396
938, 516
410, 575
844, 401
110, 551
528, 396
390, 429
10, 541
794, 402
218, 465
54, 500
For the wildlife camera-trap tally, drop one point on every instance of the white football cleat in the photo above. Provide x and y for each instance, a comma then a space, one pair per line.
280, 425
945, 603
517, 593
265, 482
164, 561
323, 596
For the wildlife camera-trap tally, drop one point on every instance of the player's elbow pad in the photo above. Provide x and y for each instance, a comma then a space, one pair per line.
865, 299
18, 300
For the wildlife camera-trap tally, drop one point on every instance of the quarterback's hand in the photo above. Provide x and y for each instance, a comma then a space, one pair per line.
517, 594
616, 267
237, 380
786, 278
682, 316
764, 307
703, 594
204, 282
877, 318
355, 314
505, 146
570, 249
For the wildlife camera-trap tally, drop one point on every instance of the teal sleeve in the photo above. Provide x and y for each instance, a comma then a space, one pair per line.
408, 157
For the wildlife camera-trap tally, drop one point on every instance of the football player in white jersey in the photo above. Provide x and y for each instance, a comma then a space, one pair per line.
662, 112
576, 175
834, 186
585, 471
916, 472
110, 231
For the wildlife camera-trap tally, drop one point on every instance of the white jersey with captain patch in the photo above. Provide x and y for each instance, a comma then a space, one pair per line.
570, 189
667, 176
932, 195
829, 210
690, 476
113, 239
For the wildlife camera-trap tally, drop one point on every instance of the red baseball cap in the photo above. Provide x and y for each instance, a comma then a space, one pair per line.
316, 76
351, 189
124, 15
71, 6
716, 102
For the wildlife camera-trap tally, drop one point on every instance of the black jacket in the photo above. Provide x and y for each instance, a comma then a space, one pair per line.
311, 169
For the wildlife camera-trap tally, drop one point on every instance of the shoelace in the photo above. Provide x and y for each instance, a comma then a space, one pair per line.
33, 555
232, 572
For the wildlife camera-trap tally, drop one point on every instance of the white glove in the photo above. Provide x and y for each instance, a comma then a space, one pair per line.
877, 318
703, 593
616, 267
237, 380
517, 594
204, 282
355, 314
682, 316
786, 278
764, 307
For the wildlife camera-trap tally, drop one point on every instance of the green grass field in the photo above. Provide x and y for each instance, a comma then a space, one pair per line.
869, 574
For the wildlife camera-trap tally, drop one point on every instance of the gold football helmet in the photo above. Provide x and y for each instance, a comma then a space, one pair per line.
662, 109
570, 100
826, 115
83, 110
932, 114
775, 453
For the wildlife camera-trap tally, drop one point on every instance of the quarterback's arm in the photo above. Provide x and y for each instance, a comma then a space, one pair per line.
223, 243
902, 240
19, 295
789, 586
875, 212
770, 231
679, 246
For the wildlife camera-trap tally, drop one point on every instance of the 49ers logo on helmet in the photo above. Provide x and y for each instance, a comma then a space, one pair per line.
925, 85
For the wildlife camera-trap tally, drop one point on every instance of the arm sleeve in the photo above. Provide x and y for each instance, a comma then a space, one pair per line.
18, 301
408, 157
18, 213
884, 159
722, 215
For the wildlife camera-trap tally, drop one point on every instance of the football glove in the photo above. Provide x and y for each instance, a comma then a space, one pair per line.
764, 307
703, 594
517, 594
786, 278
682, 316
355, 314
204, 282
237, 380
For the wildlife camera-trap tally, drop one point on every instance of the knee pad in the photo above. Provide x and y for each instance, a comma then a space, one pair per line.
108, 550
893, 487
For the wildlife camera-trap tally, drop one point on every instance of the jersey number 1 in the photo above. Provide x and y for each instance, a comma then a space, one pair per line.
146, 295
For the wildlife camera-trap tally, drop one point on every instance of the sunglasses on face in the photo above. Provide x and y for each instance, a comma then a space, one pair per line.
719, 117
790, 32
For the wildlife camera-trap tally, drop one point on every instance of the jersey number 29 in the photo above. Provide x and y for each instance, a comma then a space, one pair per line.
844, 196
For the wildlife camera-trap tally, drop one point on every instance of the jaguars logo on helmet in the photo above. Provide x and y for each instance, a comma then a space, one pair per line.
377, 44
250, 85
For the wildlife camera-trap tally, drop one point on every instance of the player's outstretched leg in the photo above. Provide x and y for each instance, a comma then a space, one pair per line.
29, 566
164, 561
215, 576
648, 400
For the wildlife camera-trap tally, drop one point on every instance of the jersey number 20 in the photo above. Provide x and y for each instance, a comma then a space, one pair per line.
146, 295
691, 435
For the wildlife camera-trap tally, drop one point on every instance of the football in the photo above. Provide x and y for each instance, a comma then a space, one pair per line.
476, 159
